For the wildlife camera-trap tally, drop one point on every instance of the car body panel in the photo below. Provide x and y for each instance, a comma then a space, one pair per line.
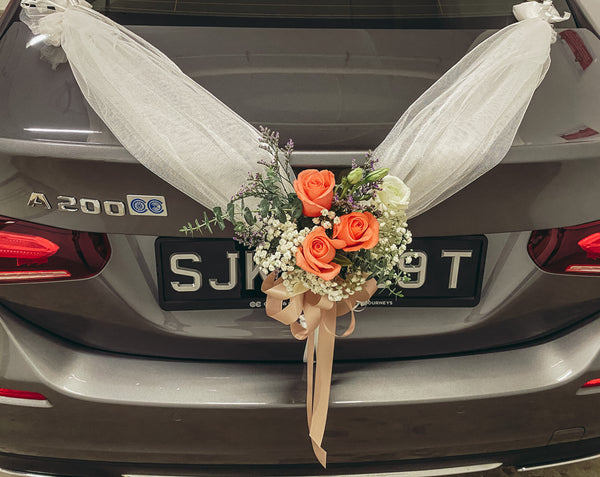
229, 413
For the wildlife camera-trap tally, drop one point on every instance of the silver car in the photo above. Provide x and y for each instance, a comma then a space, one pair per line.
110, 365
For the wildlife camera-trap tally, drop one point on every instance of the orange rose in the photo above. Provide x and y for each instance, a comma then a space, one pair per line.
316, 253
315, 190
357, 230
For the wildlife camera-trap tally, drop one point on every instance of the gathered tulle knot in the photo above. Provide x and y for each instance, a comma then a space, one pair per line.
50, 6
45, 18
544, 11
533, 10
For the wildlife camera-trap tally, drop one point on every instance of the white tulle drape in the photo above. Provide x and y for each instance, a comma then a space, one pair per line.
168, 122
456, 131
465, 123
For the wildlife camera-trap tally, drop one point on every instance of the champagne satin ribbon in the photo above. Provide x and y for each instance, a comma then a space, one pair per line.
319, 313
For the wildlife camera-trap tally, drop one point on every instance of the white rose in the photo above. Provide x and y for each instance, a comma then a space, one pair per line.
395, 194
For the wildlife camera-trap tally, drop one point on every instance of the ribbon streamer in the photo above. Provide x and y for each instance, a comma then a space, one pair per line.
321, 314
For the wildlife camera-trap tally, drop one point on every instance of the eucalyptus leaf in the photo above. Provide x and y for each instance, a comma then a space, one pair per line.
296, 210
294, 200
231, 211
280, 214
342, 260
206, 222
249, 217
264, 207
219, 217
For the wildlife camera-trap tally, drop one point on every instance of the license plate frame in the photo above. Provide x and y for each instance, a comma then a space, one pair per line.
443, 257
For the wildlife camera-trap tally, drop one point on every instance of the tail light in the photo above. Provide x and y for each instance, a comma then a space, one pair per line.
23, 398
570, 250
594, 383
16, 394
32, 253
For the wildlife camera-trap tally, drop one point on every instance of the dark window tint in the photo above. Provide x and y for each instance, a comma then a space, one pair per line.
324, 13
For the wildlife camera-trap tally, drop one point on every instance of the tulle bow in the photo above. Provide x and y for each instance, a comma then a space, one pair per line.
45, 19
544, 11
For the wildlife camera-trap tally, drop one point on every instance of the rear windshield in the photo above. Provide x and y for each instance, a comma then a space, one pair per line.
473, 14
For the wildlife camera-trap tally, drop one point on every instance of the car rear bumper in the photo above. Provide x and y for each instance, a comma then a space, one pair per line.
134, 415
545, 457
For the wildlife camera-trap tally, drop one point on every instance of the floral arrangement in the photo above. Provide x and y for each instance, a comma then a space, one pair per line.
319, 235
325, 246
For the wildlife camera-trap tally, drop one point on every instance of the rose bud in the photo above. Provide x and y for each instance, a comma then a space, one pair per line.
354, 176
377, 174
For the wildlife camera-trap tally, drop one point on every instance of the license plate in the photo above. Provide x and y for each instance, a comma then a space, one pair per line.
204, 274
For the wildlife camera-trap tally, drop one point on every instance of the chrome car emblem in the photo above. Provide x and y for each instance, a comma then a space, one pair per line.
36, 199
150, 205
